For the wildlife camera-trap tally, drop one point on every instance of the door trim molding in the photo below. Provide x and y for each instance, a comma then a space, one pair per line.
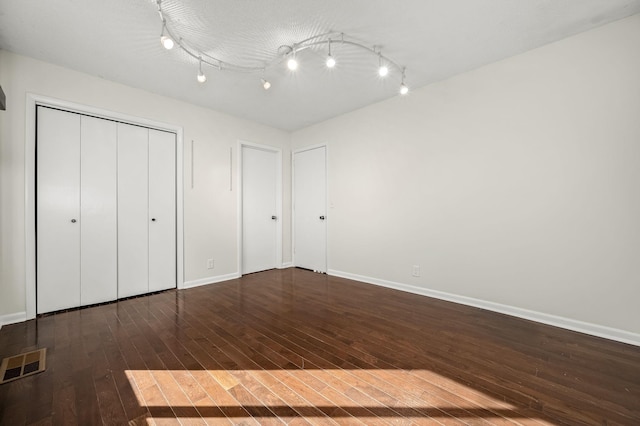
34, 100
278, 151
293, 200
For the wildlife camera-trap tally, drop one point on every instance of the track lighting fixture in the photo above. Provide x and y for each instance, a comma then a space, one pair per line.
201, 77
285, 53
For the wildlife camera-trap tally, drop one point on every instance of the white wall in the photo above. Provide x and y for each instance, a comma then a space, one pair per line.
210, 208
516, 184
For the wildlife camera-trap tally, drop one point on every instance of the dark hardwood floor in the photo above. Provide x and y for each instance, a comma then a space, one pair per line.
297, 347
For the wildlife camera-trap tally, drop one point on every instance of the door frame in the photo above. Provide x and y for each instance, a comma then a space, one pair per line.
34, 100
278, 151
293, 200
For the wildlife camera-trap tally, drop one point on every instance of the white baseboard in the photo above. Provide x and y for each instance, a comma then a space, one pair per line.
286, 265
12, 318
210, 280
557, 321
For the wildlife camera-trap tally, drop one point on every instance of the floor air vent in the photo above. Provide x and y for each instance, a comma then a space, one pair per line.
22, 365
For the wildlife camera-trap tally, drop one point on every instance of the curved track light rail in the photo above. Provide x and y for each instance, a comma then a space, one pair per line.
286, 52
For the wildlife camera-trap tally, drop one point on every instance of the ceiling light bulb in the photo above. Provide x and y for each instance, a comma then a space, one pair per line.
266, 84
166, 42
404, 89
292, 64
383, 70
331, 62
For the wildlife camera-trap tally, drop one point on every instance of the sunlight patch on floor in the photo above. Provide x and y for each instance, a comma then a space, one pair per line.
309, 393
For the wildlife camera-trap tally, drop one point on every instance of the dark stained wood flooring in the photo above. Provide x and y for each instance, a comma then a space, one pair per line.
296, 347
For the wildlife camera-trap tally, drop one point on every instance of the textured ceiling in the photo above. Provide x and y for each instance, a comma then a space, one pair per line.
119, 41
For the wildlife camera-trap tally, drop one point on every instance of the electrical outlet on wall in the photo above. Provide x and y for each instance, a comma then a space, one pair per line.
209, 263
415, 271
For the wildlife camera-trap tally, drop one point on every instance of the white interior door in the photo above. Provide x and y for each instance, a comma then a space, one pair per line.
57, 210
310, 201
259, 209
133, 210
98, 211
162, 210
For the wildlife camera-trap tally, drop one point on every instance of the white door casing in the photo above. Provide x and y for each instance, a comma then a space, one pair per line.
309, 208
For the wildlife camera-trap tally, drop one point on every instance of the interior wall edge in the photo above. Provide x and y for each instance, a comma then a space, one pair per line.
605, 332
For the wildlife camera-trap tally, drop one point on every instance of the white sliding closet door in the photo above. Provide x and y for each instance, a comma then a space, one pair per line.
58, 210
133, 207
162, 210
105, 210
98, 211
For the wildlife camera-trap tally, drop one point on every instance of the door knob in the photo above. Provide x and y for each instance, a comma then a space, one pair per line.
153, 219
73, 221
274, 217
321, 217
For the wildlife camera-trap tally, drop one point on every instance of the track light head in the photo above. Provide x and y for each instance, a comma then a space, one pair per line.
165, 40
292, 64
331, 62
403, 87
265, 84
201, 77
383, 69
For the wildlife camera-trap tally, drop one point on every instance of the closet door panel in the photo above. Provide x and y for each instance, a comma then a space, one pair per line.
162, 210
133, 237
98, 211
57, 210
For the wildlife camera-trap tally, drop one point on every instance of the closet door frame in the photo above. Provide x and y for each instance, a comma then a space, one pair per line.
32, 101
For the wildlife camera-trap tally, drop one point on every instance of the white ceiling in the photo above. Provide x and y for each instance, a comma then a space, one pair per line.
119, 41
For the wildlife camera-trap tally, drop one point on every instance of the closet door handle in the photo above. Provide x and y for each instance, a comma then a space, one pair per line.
321, 217
73, 221
274, 217
153, 219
